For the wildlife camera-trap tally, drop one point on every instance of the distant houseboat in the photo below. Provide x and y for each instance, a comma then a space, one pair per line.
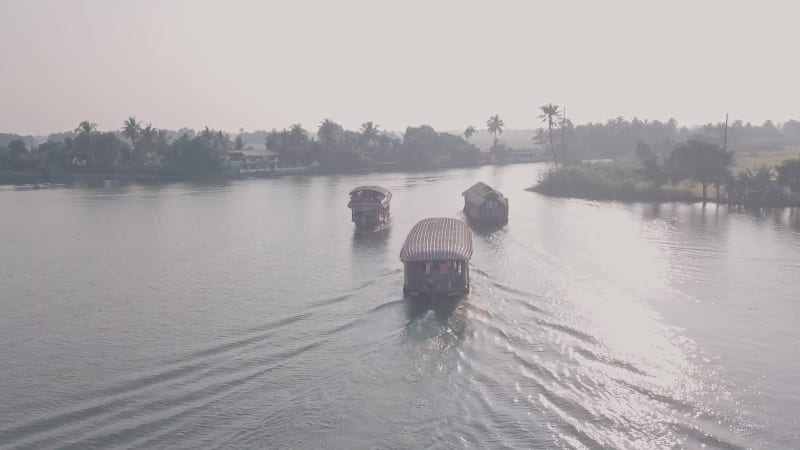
485, 205
436, 258
370, 205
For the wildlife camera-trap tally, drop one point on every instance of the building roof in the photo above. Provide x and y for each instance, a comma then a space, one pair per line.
478, 192
437, 239
378, 189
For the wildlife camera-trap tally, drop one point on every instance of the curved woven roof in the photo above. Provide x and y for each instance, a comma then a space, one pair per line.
479, 191
437, 239
378, 189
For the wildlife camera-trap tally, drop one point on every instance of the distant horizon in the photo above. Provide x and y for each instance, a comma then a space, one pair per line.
257, 65
312, 128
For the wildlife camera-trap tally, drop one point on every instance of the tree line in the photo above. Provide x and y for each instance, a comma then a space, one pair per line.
140, 148
336, 148
145, 149
619, 137
699, 160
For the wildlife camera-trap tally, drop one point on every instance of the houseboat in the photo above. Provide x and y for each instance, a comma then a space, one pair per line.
482, 204
436, 257
370, 205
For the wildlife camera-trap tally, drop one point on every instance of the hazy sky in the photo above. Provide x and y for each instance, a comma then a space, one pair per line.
263, 64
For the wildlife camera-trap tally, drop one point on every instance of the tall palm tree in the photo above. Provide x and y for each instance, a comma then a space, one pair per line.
131, 129
469, 132
495, 126
549, 112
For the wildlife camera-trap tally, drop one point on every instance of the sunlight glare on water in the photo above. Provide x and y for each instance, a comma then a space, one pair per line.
251, 314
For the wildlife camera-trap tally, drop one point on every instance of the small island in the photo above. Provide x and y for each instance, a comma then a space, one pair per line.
686, 171
689, 174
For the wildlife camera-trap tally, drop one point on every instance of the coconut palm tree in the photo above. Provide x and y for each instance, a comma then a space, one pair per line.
131, 129
328, 131
369, 132
84, 142
550, 112
86, 128
469, 132
148, 133
495, 126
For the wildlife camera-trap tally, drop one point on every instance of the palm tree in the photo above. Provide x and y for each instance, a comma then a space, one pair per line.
328, 131
148, 133
495, 126
131, 129
550, 111
84, 142
86, 127
369, 132
469, 132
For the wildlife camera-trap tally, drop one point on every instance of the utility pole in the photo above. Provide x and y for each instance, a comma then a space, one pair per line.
563, 143
724, 149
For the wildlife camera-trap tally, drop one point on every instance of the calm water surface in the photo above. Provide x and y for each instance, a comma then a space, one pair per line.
250, 314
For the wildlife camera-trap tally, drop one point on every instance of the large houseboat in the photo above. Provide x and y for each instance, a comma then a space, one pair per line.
370, 206
485, 205
436, 257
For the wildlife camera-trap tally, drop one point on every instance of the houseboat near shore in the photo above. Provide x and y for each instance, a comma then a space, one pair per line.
370, 206
436, 257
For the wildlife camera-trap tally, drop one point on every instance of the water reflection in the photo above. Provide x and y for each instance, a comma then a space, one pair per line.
371, 240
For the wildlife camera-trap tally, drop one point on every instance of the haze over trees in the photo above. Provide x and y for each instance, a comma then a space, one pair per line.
549, 113
699, 161
495, 127
136, 148
469, 132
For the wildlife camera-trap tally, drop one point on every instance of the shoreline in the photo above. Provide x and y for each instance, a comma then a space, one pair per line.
660, 196
20, 179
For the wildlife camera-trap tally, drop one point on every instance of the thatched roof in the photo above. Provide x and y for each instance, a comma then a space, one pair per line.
480, 191
377, 189
437, 239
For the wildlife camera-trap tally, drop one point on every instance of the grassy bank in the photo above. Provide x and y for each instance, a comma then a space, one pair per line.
754, 160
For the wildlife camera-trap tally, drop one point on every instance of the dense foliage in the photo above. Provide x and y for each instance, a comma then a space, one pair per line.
338, 149
665, 151
618, 137
697, 160
148, 150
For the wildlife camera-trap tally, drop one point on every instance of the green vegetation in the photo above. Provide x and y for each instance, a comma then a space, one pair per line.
495, 127
606, 180
469, 132
145, 150
550, 112
140, 149
337, 149
651, 177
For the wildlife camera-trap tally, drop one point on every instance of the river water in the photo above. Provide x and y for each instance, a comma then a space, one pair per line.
251, 314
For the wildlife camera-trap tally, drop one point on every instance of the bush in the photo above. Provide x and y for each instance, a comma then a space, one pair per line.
605, 181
